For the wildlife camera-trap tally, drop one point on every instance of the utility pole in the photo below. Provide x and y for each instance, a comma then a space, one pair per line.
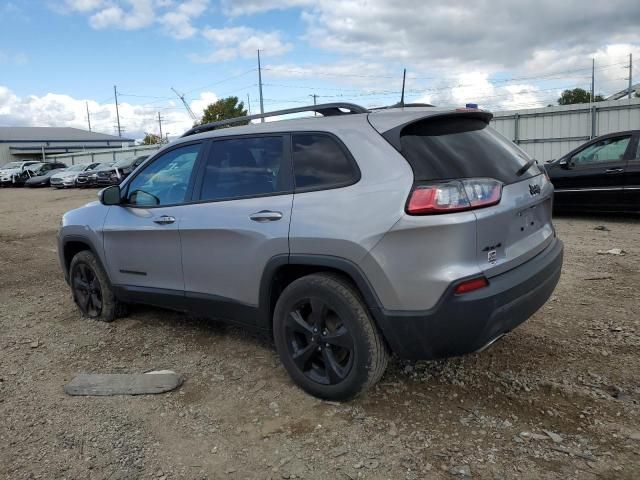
314, 102
88, 116
260, 87
160, 125
249, 104
630, 74
592, 107
404, 77
115, 94
593, 79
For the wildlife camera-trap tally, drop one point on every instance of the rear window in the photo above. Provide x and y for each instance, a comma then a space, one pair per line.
448, 148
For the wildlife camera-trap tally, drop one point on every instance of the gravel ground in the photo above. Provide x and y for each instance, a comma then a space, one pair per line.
557, 398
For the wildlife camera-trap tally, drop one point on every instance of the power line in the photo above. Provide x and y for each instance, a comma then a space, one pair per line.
222, 81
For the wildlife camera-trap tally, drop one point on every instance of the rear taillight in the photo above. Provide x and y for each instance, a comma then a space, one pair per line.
453, 196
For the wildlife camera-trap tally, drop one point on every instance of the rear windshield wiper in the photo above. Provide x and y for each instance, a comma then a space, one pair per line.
526, 167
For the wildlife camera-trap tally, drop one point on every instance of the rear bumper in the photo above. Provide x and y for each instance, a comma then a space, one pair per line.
466, 323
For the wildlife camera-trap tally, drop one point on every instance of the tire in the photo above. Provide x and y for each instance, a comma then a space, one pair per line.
345, 354
91, 289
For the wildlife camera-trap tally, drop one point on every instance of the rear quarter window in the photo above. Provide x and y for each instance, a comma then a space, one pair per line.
450, 148
320, 162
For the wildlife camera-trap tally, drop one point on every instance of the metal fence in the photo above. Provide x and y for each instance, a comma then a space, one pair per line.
111, 155
550, 132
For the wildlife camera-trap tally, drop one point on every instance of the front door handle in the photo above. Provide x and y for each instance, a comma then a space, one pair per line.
614, 170
265, 216
164, 220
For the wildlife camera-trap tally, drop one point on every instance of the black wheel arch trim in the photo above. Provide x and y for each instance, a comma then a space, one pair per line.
349, 268
80, 239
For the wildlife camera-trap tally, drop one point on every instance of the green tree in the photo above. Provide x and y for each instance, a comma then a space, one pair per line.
577, 95
637, 94
224, 109
151, 139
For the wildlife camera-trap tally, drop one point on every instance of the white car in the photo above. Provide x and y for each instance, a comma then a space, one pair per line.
67, 178
10, 170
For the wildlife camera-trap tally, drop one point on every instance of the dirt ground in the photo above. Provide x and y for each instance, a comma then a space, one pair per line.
557, 398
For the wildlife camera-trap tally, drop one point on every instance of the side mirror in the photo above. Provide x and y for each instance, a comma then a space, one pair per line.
110, 195
564, 163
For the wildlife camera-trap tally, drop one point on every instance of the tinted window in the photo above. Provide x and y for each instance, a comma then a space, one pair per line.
319, 162
245, 167
604, 151
447, 148
164, 181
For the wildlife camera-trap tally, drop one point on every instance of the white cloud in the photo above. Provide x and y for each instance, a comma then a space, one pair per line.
56, 110
178, 22
477, 87
243, 42
176, 17
84, 5
199, 104
498, 33
140, 15
234, 8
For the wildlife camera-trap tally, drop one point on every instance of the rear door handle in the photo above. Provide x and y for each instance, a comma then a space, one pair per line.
265, 216
614, 170
164, 220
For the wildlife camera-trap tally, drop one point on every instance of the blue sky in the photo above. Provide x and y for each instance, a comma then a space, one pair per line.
57, 55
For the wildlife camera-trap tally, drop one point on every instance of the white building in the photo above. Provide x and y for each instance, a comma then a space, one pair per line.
36, 143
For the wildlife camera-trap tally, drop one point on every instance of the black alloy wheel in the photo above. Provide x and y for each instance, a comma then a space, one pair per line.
326, 338
319, 342
86, 290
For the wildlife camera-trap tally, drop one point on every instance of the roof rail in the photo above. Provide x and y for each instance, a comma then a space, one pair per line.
326, 109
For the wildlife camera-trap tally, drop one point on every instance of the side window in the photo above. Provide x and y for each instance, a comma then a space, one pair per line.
320, 162
245, 167
165, 181
604, 151
637, 157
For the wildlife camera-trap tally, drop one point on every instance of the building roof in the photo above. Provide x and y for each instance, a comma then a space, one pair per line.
55, 134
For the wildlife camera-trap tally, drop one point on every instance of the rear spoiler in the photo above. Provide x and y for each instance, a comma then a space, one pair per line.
393, 135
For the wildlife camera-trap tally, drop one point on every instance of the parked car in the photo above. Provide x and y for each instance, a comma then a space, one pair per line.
601, 175
89, 178
418, 230
9, 171
42, 179
67, 177
35, 170
119, 171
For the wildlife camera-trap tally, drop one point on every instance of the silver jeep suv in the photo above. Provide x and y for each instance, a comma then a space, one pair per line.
347, 236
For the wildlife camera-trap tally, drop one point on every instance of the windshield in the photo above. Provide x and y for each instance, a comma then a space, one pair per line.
11, 165
76, 168
124, 163
104, 166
